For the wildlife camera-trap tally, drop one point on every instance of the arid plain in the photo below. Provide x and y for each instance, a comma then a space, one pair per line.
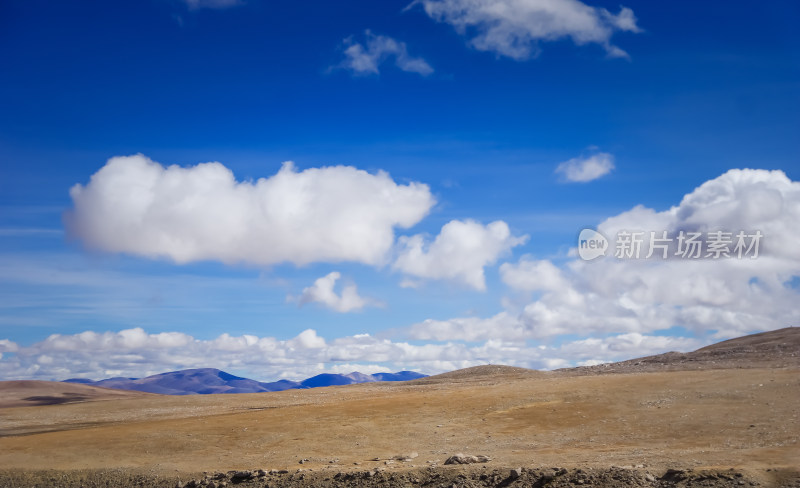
734, 405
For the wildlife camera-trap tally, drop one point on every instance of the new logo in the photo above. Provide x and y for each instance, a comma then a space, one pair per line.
591, 244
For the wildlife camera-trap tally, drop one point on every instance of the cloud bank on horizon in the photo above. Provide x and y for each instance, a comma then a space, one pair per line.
133, 352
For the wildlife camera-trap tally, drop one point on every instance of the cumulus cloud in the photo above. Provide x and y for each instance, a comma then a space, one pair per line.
514, 28
581, 169
322, 291
533, 275
8, 346
135, 353
503, 326
366, 58
724, 297
459, 253
137, 206
740, 200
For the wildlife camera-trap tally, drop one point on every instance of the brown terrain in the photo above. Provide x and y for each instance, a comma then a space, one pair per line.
35, 393
725, 415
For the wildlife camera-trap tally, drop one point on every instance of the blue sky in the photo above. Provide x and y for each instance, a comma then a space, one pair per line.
470, 107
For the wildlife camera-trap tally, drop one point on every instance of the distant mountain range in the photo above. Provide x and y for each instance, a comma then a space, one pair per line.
208, 380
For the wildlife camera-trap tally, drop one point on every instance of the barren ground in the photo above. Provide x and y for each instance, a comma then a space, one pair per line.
701, 419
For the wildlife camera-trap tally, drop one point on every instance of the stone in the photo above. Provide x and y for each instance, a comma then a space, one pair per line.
239, 476
464, 459
406, 456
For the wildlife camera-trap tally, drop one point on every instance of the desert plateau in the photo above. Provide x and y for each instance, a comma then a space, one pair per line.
725, 415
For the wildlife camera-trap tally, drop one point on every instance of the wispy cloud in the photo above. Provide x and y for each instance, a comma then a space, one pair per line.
322, 291
29, 231
514, 28
366, 58
69, 290
584, 169
213, 4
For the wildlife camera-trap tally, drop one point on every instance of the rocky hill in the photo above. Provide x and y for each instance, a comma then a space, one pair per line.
778, 348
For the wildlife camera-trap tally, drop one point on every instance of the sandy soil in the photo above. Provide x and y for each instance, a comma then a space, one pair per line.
745, 419
37, 393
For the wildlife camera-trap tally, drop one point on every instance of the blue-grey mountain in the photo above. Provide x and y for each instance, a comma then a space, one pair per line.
208, 380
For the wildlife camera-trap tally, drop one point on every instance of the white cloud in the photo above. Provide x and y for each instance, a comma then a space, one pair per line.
459, 253
8, 346
361, 368
308, 339
625, 346
581, 170
723, 297
322, 292
364, 59
137, 206
503, 326
514, 28
533, 276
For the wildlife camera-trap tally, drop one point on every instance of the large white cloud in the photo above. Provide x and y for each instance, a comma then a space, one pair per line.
459, 253
137, 206
322, 291
513, 28
726, 297
365, 59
